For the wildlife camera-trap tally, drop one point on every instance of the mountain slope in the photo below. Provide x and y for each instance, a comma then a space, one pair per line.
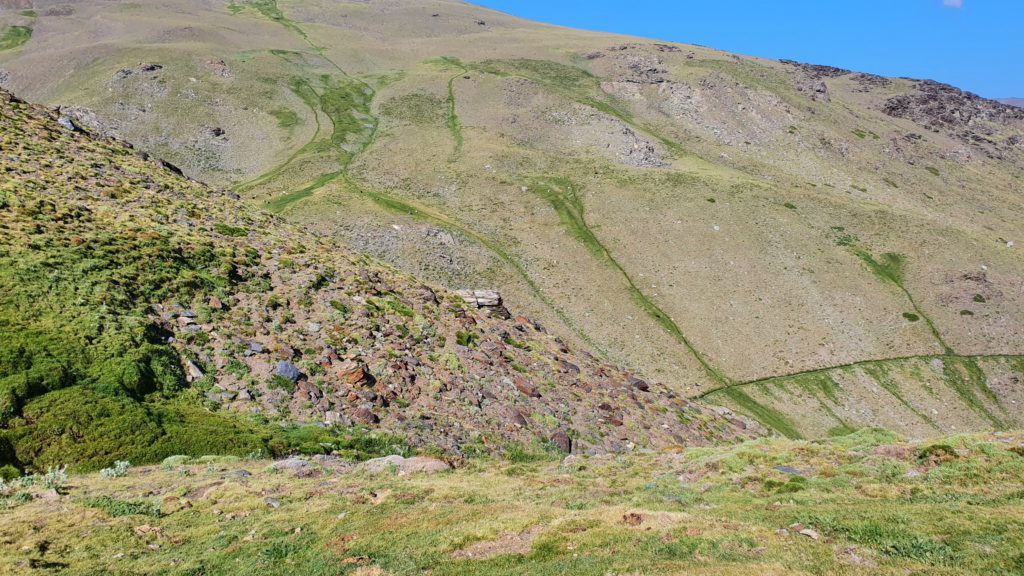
713, 221
143, 315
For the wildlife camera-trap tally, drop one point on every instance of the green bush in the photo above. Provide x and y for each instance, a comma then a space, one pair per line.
234, 231
9, 472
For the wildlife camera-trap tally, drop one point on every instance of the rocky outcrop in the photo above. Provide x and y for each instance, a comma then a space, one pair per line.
994, 127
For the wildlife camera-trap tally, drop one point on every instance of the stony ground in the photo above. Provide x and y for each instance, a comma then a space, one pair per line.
862, 504
701, 218
128, 288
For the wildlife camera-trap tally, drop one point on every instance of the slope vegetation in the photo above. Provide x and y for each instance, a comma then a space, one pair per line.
731, 226
144, 315
868, 503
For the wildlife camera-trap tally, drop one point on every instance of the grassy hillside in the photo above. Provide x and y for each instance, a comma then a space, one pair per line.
144, 315
709, 220
867, 503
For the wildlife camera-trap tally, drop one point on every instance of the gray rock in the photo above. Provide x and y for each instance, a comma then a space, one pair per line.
290, 464
256, 347
404, 466
66, 123
789, 470
272, 502
192, 372
288, 370
480, 298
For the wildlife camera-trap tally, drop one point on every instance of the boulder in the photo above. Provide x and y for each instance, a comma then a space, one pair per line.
288, 370
525, 387
293, 464
561, 440
480, 298
192, 372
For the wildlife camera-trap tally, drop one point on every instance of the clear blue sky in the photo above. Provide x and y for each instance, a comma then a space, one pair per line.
977, 45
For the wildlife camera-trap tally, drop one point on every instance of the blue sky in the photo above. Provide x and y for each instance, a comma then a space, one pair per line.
977, 45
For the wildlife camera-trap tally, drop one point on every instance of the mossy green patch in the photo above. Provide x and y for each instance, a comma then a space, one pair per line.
14, 36
286, 118
763, 413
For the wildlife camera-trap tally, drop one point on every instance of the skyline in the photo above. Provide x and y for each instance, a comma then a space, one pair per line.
971, 44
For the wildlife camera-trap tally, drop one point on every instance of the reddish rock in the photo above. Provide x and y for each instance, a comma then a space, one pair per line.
526, 388
355, 374
639, 384
562, 441
365, 415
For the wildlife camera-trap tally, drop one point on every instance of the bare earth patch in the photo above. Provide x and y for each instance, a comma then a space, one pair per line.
507, 544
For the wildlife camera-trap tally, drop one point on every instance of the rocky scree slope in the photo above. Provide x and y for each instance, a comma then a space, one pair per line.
143, 314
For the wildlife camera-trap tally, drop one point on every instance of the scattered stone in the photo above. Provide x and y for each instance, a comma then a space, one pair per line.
288, 370
480, 298
639, 384
810, 533
789, 470
526, 388
292, 464
272, 502
365, 415
562, 441
192, 372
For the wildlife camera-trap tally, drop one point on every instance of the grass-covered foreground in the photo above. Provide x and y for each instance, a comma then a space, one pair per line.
860, 504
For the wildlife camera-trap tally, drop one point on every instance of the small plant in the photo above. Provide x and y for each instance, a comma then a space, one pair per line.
55, 478
466, 338
911, 317
233, 231
119, 470
278, 382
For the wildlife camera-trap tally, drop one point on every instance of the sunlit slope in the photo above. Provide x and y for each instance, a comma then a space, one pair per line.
710, 220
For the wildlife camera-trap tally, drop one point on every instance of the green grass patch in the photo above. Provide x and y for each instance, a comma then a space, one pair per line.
118, 508
233, 231
286, 117
14, 36
763, 413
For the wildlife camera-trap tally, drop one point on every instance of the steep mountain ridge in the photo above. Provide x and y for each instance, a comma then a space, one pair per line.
732, 226
141, 311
